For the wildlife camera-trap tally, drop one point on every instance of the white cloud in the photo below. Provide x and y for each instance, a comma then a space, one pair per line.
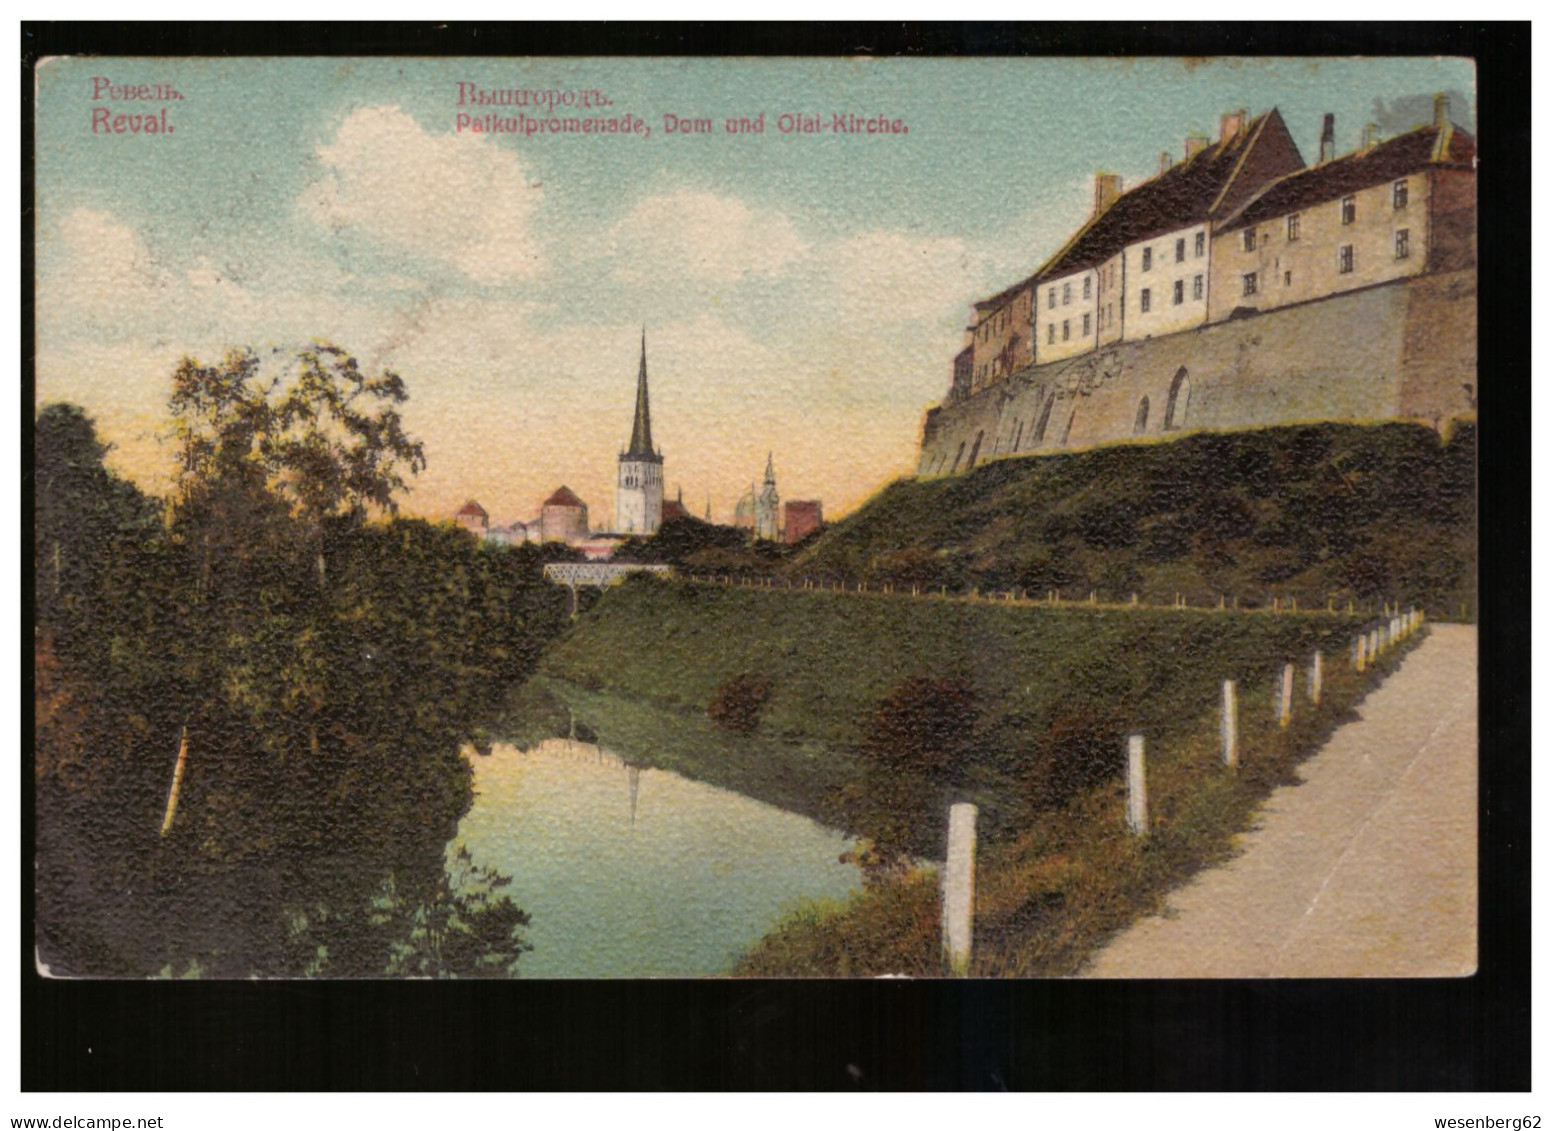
100, 263
459, 198
703, 236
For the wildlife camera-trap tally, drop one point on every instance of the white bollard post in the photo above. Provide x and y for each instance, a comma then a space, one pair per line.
1316, 677
959, 888
1229, 728
1136, 786
1285, 698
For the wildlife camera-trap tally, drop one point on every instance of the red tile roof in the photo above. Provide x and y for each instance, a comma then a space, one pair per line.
471, 509
1387, 161
564, 498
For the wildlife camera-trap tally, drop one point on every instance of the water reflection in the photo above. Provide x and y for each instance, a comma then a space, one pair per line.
634, 871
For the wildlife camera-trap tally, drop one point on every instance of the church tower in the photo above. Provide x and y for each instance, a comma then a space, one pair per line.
767, 513
638, 505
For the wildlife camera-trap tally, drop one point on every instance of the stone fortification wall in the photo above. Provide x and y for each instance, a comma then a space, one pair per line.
1398, 350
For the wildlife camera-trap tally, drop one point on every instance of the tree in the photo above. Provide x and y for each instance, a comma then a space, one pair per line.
324, 439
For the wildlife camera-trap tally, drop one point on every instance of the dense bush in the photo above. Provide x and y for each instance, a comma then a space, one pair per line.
739, 702
923, 725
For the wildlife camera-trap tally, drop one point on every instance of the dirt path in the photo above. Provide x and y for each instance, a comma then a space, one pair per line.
1368, 868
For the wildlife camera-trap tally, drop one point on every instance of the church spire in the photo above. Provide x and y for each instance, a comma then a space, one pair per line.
641, 431
770, 468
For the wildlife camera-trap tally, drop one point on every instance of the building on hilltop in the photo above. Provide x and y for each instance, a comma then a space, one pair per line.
1138, 266
638, 507
563, 518
1236, 288
473, 518
1388, 210
801, 517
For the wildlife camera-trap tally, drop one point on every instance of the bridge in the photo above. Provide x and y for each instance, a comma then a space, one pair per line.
597, 574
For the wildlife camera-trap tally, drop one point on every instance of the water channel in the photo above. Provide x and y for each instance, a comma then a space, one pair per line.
630, 870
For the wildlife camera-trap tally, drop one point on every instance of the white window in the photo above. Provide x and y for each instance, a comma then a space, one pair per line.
1180, 291
1066, 293
1066, 329
1293, 227
1050, 298
1050, 333
1344, 259
1250, 283
1146, 299
1147, 259
1403, 237
1088, 284
1349, 209
1086, 325
1250, 239
1398, 194
1196, 286
1180, 250
1201, 244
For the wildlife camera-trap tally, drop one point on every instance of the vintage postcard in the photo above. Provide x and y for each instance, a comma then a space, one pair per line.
583, 518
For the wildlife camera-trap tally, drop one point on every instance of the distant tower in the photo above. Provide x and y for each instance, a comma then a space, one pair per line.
767, 512
639, 493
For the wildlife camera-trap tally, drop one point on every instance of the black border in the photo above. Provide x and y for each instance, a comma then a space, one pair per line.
1469, 1034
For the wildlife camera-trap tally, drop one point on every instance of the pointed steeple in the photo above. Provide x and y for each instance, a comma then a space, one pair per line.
770, 467
641, 431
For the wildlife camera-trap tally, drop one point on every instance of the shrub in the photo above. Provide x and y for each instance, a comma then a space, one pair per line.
924, 724
1079, 750
739, 702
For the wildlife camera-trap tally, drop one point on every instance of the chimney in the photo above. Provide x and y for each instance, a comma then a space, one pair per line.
1107, 187
1230, 125
1165, 164
1195, 143
1371, 136
1444, 127
1328, 139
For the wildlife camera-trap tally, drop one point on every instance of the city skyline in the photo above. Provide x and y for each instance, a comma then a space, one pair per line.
805, 294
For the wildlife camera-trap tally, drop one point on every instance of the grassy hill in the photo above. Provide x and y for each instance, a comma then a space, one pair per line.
1321, 512
1022, 686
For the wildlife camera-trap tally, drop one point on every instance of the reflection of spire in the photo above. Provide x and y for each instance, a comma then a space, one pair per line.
633, 777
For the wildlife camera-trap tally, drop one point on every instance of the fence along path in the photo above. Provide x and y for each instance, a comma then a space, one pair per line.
1367, 868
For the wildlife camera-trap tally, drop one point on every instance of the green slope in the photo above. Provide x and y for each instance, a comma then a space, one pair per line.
1326, 512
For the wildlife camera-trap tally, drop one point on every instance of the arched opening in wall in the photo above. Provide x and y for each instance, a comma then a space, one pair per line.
1018, 436
957, 458
975, 450
1067, 429
1045, 419
1179, 401
1141, 424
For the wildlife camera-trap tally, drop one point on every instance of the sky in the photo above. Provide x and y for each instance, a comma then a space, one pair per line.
803, 294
